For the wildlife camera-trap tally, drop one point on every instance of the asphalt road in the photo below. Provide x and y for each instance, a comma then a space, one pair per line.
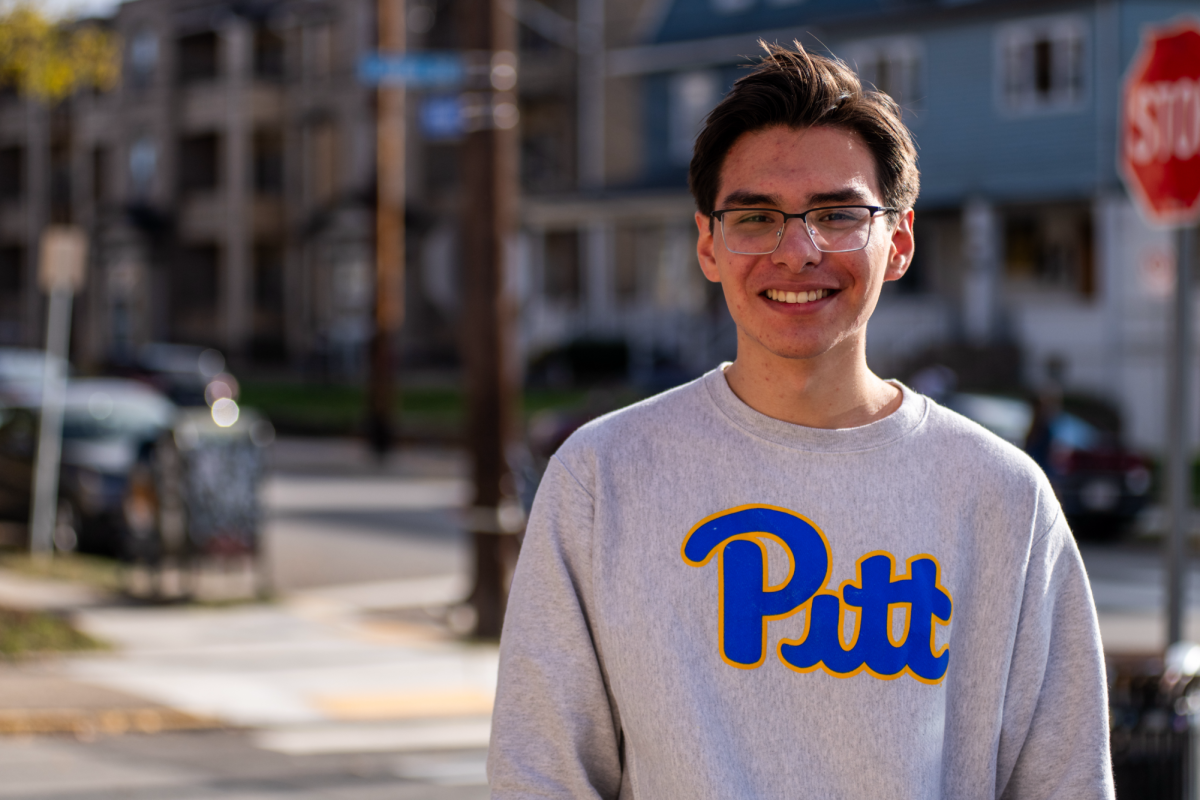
335, 516
227, 765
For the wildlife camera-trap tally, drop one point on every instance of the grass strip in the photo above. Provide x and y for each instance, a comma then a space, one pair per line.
27, 633
94, 571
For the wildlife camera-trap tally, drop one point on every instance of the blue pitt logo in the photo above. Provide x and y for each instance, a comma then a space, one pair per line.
748, 602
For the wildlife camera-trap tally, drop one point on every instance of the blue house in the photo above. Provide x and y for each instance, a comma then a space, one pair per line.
1025, 233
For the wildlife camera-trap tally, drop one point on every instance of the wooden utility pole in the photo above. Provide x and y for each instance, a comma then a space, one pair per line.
389, 231
489, 170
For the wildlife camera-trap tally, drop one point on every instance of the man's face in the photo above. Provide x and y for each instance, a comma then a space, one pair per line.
793, 171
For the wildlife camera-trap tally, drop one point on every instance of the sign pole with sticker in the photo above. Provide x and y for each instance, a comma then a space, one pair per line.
62, 259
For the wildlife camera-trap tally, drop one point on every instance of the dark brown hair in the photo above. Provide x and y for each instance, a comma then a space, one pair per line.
798, 89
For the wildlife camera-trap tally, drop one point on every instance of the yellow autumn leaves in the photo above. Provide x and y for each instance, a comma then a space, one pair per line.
49, 59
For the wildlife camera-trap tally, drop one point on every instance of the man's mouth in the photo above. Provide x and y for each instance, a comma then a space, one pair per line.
780, 296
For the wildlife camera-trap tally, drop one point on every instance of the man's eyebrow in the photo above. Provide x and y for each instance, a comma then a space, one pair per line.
840, 196
742, 199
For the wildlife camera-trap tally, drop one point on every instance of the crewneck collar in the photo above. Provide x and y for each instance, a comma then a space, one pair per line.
911, 413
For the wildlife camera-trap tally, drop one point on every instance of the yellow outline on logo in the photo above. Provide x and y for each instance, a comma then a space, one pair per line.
820, 665
754, 537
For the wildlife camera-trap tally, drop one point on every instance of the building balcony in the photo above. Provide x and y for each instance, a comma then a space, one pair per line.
202, 217
268, 217
205, 217
205, 106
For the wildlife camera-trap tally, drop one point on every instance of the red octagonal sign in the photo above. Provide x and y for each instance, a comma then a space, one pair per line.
1160, 124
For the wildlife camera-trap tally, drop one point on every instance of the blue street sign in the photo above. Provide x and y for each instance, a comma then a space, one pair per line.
441, 117
422, 70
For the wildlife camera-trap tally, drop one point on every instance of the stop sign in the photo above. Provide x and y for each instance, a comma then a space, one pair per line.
1160, 124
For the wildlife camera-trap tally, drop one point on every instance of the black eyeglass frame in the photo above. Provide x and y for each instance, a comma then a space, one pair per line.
875, 212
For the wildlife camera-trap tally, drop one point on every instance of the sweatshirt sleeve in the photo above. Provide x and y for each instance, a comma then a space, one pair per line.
1054, 741
554, 728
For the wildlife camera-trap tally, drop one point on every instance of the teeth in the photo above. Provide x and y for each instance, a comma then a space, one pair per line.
796, 297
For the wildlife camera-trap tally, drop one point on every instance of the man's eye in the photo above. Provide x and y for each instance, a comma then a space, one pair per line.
755, 217
841, 217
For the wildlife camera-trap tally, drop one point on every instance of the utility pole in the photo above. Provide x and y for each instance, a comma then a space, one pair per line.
489, 170
389, 231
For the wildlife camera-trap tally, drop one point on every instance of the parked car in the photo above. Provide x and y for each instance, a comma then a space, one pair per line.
142, 479
188, 374
21, 373
1101, 484
110, 425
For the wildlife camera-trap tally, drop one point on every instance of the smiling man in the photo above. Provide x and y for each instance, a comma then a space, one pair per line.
792, 578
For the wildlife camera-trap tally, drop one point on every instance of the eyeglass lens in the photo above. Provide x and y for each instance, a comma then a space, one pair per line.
832, 230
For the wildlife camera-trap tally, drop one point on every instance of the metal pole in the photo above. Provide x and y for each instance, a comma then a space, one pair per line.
389, 231
1179, 440
54, 388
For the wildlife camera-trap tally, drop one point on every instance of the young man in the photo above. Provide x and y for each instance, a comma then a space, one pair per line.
790, 578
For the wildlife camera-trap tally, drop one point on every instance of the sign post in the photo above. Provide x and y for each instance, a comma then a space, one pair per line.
1160, 161
61, 265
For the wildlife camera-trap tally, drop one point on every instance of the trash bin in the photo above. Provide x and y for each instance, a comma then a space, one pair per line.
200, 492
1154, 709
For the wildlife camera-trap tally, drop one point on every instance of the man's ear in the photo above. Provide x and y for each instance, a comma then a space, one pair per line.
704, 248
900, 252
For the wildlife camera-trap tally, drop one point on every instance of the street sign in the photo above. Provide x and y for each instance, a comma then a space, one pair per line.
1160, 124
62, 259
424, 70
441, 117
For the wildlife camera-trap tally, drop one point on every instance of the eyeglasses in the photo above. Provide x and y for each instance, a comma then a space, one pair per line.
832, 229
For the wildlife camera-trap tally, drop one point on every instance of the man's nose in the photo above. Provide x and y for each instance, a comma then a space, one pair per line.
796, 249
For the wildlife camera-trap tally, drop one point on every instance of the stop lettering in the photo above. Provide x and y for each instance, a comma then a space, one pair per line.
1160, 123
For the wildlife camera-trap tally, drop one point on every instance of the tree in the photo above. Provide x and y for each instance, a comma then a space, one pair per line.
51, 59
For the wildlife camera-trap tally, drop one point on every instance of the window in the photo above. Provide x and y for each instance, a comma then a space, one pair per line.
1050, 246
143, 162
198, 57
60, 184
691, 96
638, 253
199, 163
323, 153
267, 341
12, 173
317, 44
892, 66
731, 6
268, 55
12, 285
12, 262
193, 291
1042, 65
560, 275
268, 162
100, 188
143, 58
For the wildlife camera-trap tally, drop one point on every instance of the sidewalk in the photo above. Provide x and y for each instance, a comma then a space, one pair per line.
344, 669
359, 668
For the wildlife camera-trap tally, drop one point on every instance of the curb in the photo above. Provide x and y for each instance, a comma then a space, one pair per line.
89, 722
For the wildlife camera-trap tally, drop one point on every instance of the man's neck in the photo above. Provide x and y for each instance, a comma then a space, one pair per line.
825, 392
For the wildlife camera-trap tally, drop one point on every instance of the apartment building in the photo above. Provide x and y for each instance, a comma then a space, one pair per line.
227, 185
1027, 242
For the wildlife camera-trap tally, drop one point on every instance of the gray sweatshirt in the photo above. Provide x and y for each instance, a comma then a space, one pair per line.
711, 603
